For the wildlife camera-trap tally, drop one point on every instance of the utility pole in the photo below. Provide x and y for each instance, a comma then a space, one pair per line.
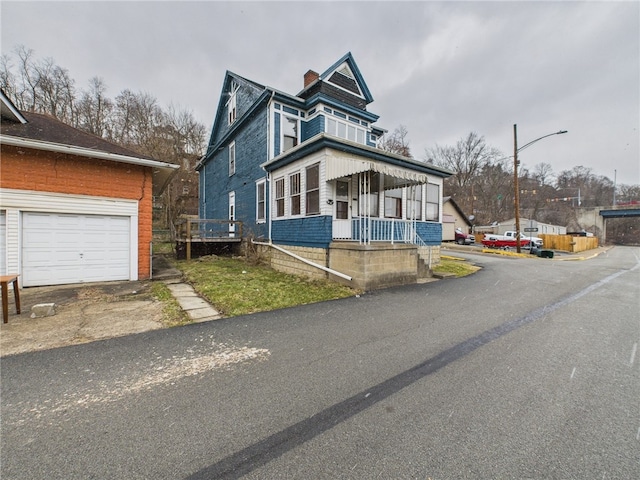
515, 186
515, 175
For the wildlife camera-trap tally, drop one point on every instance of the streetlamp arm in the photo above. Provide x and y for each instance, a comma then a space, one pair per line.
560, 132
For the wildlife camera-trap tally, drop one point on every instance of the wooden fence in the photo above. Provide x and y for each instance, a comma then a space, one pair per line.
568, 243
565, 243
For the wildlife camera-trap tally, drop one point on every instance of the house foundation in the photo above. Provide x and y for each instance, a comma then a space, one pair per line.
376, 265
371, 267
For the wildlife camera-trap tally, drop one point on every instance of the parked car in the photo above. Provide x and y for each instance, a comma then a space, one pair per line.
464, 238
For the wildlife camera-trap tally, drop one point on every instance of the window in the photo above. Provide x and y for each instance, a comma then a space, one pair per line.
313, 189
341, 129
393, 203
232, 158
433, 202
294, 193
374, 195
414, 202
261, 213
280, 197
231, 103
290, 132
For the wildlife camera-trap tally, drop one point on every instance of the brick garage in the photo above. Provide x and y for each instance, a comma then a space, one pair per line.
53, 174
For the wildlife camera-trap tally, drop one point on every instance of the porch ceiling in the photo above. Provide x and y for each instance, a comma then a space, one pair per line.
395, 177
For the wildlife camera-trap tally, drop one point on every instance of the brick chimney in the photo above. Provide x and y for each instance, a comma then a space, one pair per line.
310, 77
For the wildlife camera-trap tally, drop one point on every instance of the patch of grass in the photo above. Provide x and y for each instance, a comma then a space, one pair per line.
173, 315
236, 287
162, 248
455, 266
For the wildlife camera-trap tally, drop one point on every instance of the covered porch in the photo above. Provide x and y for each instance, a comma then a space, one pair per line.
376, 202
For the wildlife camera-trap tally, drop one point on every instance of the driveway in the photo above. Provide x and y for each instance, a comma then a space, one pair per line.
84, 313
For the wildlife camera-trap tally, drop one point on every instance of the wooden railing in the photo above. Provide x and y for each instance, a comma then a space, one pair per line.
191, 231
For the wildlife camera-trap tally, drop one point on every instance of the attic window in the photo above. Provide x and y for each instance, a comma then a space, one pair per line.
231, 104
231, 108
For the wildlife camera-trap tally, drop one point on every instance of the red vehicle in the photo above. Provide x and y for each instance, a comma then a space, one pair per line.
508, 240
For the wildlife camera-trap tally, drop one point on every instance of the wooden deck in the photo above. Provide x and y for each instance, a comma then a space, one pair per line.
190, 231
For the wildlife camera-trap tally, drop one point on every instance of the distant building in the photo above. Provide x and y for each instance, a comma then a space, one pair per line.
510, 225
453, 218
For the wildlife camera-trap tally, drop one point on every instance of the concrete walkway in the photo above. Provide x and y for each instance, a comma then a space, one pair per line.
197, 308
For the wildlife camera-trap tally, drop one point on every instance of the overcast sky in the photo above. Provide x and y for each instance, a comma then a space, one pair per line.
442, 69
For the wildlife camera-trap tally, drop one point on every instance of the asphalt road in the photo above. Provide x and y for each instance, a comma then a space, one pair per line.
527, 369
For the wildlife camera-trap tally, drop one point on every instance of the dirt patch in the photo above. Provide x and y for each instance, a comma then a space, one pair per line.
84, 313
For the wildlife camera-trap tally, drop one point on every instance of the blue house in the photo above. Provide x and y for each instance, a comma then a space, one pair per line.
305, 175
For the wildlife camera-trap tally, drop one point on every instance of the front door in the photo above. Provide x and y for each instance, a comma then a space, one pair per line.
342, 210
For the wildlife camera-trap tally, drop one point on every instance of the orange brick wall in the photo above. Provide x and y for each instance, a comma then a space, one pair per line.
59, 173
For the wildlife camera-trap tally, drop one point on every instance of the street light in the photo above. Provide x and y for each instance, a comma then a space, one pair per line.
515, 175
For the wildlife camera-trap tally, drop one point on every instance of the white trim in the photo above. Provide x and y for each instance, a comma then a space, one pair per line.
327, 78
8, 105
265, 200
232, 149
30, 200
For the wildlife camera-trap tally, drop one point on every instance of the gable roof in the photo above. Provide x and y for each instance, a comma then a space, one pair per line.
44, 132
456, 208
346, 67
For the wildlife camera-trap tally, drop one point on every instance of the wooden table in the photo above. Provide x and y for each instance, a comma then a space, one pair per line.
5, 280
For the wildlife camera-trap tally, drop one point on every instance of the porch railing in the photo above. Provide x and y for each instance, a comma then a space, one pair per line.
366, 230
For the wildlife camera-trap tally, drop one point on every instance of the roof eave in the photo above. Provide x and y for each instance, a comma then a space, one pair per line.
322, 140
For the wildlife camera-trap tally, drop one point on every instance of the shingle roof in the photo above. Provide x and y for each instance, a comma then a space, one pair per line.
49, 129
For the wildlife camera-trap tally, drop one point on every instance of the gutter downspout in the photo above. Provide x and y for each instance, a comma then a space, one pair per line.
268, 185
303, 260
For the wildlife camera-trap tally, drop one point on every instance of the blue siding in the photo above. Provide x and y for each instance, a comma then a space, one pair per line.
312, 127
251, 151
307, 232
430, 232
276, 133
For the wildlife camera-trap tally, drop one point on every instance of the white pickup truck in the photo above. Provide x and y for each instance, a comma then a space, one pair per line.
509, 240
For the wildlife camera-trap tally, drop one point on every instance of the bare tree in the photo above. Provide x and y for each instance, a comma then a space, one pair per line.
466, 159
543, 172
491, 196
94, 108
7, 78
397, 142
55, 90
470, 159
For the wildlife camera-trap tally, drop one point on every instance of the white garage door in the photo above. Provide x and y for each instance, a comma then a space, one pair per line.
66, 248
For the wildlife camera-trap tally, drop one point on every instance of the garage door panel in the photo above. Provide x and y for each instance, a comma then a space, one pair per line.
67, 248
